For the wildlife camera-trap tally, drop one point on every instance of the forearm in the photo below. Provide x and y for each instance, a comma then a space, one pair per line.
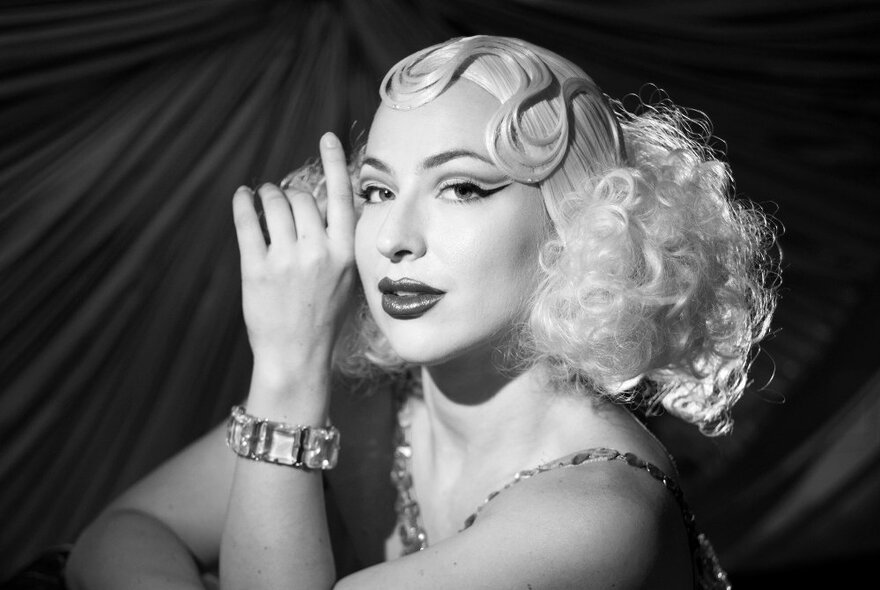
296, 288
129, 550
276, 533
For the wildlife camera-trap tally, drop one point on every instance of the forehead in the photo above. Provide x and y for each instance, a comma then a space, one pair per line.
455, 119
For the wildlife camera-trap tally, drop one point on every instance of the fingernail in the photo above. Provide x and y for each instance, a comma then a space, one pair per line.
244, 188
329, 140
297, 184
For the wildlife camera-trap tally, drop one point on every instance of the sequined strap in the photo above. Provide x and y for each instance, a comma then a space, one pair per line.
708, 572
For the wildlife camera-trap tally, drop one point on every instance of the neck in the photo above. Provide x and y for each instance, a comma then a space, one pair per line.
476, 411
478, 426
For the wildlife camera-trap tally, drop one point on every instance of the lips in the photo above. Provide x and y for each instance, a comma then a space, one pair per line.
407, 299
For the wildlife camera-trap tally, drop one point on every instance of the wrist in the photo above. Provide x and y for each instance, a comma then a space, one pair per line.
290, 394
279, 365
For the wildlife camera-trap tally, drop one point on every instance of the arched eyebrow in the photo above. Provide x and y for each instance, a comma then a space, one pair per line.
443, 157
377, 164
430, 161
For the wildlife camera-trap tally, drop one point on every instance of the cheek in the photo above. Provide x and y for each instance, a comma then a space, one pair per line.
531, 233
509, 257
524, 233
520, 269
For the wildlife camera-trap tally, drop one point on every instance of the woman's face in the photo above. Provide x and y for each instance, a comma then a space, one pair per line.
447, 245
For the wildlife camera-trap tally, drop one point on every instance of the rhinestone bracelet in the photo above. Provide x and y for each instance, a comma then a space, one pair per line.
303, 447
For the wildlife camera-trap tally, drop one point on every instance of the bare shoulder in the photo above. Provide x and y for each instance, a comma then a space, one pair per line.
598, 525
605, 522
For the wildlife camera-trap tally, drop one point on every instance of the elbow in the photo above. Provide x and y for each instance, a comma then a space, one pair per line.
96, 544
122, 542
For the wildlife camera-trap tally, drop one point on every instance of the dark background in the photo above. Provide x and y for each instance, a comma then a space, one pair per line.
126, 126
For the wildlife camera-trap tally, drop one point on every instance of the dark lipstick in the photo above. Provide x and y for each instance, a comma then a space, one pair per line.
407, 299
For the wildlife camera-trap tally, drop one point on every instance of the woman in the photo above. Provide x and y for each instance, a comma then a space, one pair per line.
536, 267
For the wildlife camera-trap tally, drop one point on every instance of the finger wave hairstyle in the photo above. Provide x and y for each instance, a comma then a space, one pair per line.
656, 283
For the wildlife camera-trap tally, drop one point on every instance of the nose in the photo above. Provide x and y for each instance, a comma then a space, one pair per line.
401, 235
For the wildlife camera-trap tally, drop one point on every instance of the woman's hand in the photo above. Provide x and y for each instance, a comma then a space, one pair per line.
296, 291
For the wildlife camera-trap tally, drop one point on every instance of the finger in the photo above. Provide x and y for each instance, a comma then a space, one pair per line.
279, 217
340, 209
300, 184
309, 223
247, 225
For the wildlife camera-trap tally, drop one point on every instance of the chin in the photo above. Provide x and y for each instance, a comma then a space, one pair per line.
422, 343
418, 346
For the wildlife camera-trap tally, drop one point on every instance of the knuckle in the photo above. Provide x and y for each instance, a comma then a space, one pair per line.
337, 157
280, 266
346, 258
273, 198
239, 199
299, 198
252, 272
240, 218
315, 256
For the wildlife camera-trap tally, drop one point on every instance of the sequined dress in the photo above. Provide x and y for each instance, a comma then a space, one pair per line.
708, 573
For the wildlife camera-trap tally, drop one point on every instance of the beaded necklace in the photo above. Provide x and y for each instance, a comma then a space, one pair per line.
412, 533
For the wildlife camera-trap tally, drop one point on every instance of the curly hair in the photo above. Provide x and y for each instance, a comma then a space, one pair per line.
656, 283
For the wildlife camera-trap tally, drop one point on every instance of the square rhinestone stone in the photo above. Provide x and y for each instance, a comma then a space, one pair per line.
282, 445
321, 448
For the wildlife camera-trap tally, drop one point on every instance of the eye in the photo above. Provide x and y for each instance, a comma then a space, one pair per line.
375, 194
467, 191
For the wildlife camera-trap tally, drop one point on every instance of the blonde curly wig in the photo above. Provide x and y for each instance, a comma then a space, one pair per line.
656, 284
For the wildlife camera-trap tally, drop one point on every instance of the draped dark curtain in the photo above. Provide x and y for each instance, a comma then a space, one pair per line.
126, 126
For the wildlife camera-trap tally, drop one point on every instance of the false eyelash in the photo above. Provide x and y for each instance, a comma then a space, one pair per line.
478, 190
364, 193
